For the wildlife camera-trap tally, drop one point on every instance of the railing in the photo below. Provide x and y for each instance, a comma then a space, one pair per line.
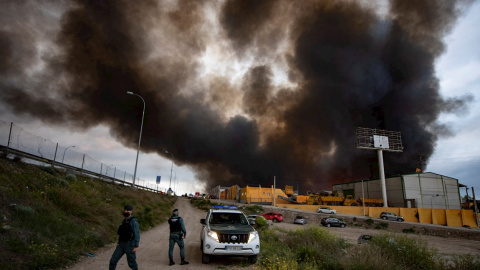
18, 142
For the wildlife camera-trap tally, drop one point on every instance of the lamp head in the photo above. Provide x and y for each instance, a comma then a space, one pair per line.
130, 93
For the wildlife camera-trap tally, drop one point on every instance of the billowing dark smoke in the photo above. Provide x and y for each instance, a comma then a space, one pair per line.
343, 65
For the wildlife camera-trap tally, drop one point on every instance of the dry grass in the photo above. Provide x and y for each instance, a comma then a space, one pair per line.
50, 218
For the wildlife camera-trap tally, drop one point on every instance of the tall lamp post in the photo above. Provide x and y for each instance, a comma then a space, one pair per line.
139, 138
171, 169
66, 151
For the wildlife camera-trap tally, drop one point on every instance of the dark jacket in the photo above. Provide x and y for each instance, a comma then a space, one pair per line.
129, 229
177, 225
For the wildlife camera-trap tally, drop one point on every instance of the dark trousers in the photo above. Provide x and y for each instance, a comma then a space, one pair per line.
124, 248
175, 238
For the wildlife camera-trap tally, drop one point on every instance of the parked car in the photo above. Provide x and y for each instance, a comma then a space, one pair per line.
300, 220
330, 222
365, 239
276, 217
326, 210
252, 219
391, 216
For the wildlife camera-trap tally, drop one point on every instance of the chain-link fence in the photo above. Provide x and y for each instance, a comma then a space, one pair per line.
40, 150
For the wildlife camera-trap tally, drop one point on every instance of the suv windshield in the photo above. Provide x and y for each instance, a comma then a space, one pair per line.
228, 218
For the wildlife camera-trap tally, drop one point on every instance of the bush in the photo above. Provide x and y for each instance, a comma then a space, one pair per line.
71, 177
49, 170
464, 262
382, 226
369, 221
408, 253
410, 230
261, 222
253, 209
201, 203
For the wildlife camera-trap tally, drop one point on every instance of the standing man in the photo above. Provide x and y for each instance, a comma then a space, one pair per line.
177, 233
128, 240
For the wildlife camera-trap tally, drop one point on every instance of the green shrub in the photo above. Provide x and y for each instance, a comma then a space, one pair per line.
382, 226
253, 209
62, 182
201, 203
49, 170
71, 177
464, 262
410, 230
261, 222
369, 221
408, 253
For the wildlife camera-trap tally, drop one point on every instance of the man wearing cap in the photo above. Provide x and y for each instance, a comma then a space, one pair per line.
177, 233
128, 240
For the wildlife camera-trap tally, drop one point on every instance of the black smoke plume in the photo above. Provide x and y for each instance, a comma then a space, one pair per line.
344, 64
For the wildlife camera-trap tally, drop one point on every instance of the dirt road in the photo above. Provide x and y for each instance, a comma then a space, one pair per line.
153, 252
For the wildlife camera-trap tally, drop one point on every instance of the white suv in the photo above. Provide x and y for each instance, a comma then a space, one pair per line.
227, 232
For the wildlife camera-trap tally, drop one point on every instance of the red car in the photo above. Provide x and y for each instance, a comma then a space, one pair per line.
276, 217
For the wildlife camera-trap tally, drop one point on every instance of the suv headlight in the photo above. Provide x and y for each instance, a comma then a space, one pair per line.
213, 235
252, 236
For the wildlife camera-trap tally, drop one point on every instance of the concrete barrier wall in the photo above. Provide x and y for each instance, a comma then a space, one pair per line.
448, 217
454, 217
439, 217
468, 218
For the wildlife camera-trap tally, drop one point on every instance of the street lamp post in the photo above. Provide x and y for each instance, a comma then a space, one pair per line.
66, 151
171, 169
139, 138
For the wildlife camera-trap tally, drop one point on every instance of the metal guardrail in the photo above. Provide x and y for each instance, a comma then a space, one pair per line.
15, 141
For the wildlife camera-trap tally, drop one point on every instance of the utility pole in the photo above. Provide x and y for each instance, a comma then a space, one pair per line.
274, 191
475, 205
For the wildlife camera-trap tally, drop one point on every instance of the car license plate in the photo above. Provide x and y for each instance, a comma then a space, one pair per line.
233, 248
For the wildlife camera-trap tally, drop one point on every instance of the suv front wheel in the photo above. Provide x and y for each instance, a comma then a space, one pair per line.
252, 259
205, 258
384, 218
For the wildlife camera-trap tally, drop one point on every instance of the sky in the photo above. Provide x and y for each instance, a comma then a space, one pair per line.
239, 93
458, 69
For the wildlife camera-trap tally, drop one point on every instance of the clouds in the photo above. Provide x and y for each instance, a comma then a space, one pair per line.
458, 155
289, 85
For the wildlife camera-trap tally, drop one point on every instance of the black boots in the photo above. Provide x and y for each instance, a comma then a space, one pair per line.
182, 263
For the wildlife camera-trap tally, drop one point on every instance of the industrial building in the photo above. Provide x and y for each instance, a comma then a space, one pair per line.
419, 190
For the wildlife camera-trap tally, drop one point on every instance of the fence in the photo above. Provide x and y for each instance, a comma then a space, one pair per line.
43, 151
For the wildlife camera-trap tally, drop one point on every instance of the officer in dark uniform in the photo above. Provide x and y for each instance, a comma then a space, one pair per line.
128, 240
177, 233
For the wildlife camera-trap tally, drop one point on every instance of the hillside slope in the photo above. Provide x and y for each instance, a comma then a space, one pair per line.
49, 218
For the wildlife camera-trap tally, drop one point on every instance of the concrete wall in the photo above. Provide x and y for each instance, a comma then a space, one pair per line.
447, 217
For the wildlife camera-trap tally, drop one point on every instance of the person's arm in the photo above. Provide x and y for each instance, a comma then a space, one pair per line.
136, 232
183, 228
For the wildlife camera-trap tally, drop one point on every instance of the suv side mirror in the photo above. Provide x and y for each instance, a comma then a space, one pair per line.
202, 221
